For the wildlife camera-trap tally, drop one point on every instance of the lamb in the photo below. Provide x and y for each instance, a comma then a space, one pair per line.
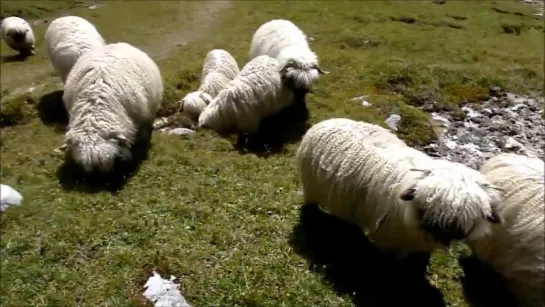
284, 41
255, 93
67, 39
111, 94
516, 248
219, 68
18, 35
406, 201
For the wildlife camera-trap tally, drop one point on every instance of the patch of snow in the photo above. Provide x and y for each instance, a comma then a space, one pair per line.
164, 293
9, 197
393, 121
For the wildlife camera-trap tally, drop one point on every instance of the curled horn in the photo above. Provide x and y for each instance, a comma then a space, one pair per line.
288, 65
425, 171
323, 72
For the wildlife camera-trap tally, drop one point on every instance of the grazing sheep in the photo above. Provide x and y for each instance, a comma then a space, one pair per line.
516, 248
110, 94
18, 35
219, 68
284, 41
255, 93
67, 39
405, 200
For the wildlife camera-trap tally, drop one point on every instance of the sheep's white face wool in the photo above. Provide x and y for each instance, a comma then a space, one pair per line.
94, 153
448, 214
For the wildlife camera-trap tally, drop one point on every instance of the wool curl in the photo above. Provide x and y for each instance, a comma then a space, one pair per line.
18, 35
255, 93
110, 94
218, 69
516, 248
67, 39
284, 41
403, 199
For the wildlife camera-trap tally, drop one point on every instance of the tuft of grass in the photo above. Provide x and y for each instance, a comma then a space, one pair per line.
219, 220
15, 111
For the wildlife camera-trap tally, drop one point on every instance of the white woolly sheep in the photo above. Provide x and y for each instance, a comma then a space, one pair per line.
219, 68
67, 39
284, 41
110, 94
18, 35
255, 93
516, 248
406, 201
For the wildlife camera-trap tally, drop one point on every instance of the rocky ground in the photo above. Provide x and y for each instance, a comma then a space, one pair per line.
504, 123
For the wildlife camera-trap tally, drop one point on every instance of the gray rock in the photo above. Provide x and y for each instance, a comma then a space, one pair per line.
179, 131
393, 121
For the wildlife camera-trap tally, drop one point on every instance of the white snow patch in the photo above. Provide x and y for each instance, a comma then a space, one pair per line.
163, 292
9, 197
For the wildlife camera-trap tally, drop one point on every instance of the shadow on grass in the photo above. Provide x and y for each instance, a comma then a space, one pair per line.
52, 112
286, 127
73, 178
482, 286
347, 260
13, 58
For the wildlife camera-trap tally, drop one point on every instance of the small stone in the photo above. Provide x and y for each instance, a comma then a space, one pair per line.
362, 101
494, 91
393, 121
160, 123
512, 144
180, 131
518, 107
451, 144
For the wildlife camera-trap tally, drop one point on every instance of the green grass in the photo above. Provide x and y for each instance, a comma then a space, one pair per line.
198, 209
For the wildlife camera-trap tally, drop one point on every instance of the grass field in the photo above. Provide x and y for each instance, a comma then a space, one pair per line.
230, 225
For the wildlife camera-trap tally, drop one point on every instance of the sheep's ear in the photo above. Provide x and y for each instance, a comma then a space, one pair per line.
120, 138
426, 172
288, 65
493, 217
61, 148
408, 194
322, 72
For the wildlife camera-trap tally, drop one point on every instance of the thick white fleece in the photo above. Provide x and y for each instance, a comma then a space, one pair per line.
67, 39
218, 69
516, 248
358, 172
110, 93
18, 35
284, 41
255, 93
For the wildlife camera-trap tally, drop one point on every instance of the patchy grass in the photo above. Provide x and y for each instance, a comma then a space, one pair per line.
221, 221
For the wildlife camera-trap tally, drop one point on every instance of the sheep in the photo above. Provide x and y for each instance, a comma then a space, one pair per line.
219, 68
111, 94
406, 201
516, 248
67, 39
284, 41
18, 35
255, 93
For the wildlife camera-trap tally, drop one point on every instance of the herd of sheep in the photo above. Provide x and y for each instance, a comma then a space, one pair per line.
405, 200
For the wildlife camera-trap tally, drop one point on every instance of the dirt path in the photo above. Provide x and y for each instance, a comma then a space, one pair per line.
37, 76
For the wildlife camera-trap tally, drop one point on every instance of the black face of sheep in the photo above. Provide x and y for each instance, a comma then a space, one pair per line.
18, 36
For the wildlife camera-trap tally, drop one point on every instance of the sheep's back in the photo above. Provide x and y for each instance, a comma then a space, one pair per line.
220, 61
255, 92
275, 35
67, 39
516, 248
122, 75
